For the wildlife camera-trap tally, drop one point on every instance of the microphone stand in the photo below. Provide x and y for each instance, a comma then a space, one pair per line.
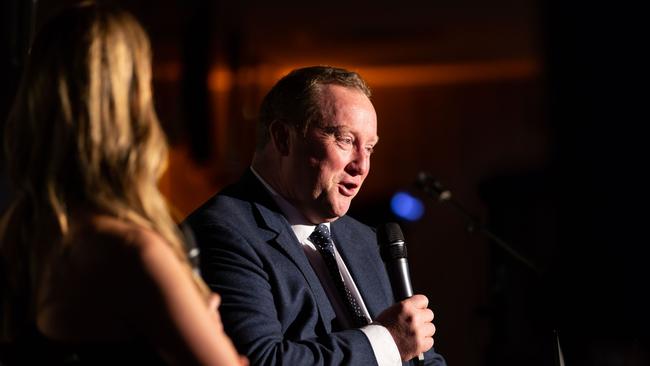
437, 191
434, 189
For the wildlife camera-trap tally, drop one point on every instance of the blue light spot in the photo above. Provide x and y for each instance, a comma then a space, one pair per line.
406, 206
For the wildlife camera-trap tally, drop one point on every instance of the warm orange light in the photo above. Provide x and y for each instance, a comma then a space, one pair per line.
221, 79
436, 74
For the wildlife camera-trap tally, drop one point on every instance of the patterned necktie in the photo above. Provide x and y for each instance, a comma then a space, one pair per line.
323, 241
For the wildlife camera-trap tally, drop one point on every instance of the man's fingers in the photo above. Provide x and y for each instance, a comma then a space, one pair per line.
422, 315
427, 315
429, 329
428, 343
425, 342
418, 301
424, 329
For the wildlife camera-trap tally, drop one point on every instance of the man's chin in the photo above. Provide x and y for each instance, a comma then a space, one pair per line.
339, 211
328, 210
327, 216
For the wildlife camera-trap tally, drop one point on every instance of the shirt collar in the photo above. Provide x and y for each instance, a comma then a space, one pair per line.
299, 224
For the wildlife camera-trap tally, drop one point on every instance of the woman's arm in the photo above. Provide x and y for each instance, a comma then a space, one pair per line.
169, 309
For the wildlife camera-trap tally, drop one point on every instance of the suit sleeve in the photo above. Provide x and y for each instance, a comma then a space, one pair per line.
249, 310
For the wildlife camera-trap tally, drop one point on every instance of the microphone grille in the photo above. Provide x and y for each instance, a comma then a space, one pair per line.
391, 242
389, 233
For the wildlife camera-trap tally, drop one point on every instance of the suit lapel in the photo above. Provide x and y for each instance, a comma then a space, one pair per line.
368, 273
281, 235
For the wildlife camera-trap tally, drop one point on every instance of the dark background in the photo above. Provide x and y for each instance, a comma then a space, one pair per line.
532, 112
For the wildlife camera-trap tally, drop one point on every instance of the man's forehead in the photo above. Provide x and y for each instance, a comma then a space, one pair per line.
333, 94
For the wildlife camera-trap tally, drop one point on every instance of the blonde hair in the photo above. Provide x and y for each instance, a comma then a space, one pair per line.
83, 132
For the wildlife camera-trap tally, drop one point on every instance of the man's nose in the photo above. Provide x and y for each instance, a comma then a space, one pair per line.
360, 164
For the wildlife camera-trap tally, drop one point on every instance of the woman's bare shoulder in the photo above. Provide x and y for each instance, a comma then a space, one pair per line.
119, 230
147, 263
123, 252
104, 240
104, 270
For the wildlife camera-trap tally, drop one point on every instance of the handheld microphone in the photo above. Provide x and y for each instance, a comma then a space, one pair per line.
393, 252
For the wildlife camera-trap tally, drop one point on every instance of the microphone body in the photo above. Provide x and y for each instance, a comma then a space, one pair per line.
397, 266
393, 252
400, 280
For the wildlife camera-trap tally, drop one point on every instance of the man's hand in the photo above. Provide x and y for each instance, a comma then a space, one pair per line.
409, 322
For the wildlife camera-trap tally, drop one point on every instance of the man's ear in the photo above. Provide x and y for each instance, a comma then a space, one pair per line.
280, 137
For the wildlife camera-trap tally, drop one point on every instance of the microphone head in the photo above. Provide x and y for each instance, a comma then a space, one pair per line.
423, 179
391, 242
427, 183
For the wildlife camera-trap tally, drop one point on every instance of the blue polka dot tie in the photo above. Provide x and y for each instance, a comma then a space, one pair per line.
322, 239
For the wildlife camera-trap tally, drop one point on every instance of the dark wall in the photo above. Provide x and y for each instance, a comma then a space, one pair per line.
581, 217
596, 77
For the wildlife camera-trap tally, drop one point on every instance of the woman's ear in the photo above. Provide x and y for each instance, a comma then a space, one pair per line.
280, 137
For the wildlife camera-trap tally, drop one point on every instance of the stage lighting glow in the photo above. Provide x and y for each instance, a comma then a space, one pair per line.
407, 207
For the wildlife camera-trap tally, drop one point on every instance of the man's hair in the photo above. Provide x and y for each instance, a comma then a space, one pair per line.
295, 99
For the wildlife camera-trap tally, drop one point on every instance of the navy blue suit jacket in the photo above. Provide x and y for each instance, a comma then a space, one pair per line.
273, 305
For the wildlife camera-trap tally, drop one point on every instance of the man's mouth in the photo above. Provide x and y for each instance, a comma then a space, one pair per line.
348, 189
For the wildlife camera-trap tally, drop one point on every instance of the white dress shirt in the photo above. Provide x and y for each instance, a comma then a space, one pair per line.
381, 341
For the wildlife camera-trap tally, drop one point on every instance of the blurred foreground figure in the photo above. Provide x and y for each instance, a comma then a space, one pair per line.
94, 269
302, 283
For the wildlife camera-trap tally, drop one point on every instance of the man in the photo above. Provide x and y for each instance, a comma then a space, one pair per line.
301, 283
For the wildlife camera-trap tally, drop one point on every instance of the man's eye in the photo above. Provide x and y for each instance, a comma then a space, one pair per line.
345, 140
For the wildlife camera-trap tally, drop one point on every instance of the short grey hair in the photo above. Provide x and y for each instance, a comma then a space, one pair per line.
295, 99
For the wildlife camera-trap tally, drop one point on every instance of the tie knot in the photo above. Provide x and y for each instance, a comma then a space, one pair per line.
323, 230
321, 237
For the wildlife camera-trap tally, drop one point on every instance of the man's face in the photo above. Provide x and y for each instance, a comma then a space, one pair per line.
328, 166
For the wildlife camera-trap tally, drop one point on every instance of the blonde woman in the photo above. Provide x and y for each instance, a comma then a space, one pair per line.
94, 269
